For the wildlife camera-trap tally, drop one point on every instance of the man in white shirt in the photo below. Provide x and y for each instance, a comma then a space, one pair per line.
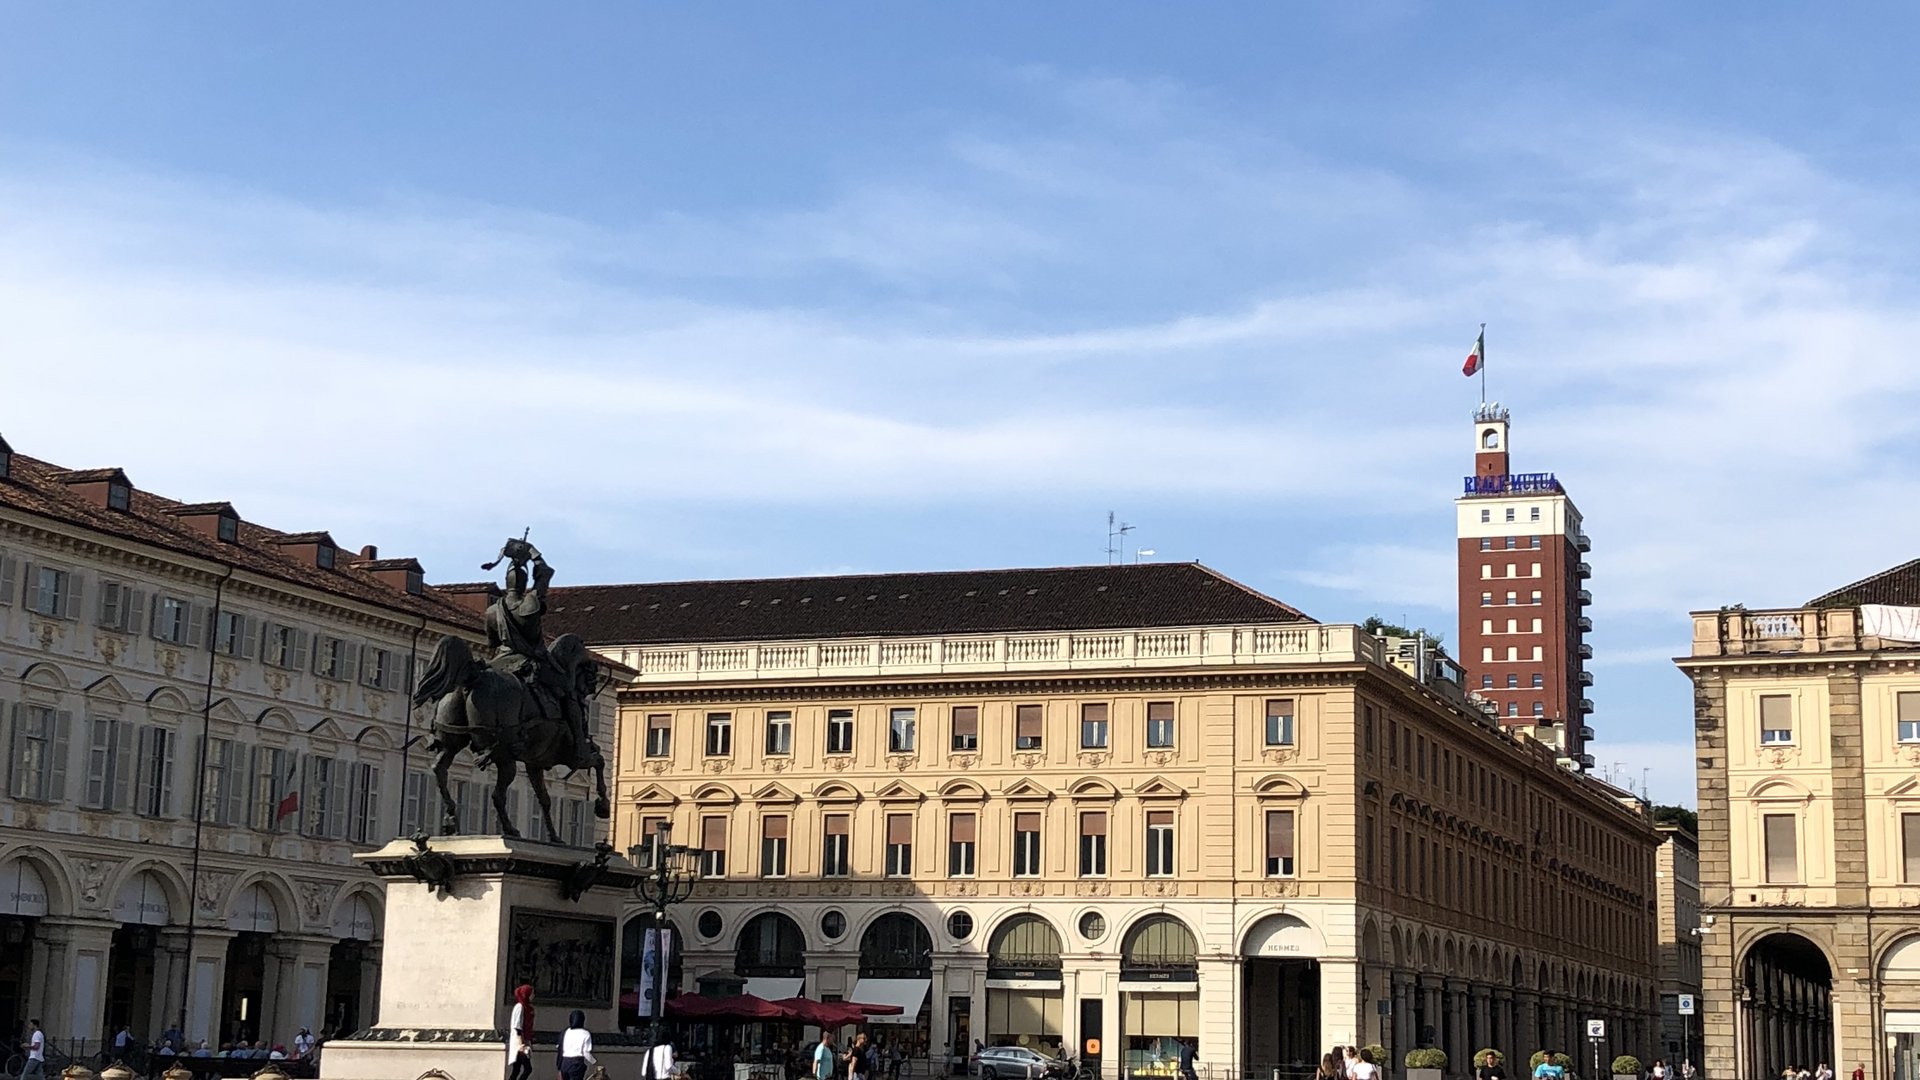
659, 1063
36, 1051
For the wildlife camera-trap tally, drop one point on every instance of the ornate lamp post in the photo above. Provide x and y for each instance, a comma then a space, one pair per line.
668, 873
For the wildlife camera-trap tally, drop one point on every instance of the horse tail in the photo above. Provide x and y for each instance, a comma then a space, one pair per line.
451, 659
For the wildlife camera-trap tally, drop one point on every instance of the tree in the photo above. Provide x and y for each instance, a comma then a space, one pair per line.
1380, 627
1677, 815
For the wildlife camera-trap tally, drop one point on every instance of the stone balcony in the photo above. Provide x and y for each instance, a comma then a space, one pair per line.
1743, 632
1300, 644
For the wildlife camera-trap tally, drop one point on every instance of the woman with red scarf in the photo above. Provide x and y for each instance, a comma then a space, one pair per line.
520, 1034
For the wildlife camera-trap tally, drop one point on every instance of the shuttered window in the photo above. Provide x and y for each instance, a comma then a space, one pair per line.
1280, 843
1160, 843
835, 855
1028, 721
1093, 726
1279, 722
1910, 848
773, 846
1026, 843
1159, 725
660, 735
39, 760
713, 847
1782, 848
1907, 705
966, 727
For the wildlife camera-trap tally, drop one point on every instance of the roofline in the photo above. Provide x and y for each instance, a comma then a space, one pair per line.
850, 575
1819, 601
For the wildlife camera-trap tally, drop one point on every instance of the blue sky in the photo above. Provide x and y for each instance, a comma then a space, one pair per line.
781, 288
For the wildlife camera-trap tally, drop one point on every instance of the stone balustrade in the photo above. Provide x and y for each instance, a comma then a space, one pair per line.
1744, 632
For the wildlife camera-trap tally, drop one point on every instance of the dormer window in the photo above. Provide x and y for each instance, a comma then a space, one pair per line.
416, 582
119, 496
323, 556
228, 529
6, 460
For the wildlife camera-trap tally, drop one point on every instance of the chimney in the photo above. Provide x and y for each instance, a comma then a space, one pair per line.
369, 553
108, 489
218, 520
405, 575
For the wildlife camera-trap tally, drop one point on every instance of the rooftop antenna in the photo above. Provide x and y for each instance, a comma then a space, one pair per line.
1117, 531
1143, 553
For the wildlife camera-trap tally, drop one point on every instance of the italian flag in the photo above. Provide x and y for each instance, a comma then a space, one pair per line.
1477, 357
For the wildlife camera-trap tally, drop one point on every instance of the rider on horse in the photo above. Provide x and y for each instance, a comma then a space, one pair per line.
519, 648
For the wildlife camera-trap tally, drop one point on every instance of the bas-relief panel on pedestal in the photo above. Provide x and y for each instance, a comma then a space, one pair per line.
567, 958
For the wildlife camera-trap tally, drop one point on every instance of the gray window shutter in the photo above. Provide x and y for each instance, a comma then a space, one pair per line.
112, 598
267, 654
319, 653
7, 568
301, 641
72, 609
349, 669
153, 616
249, 637
15, 782
196, 624
166, 736
132, 603
26, 586
337, 802
57, 748
123, 765
99, 762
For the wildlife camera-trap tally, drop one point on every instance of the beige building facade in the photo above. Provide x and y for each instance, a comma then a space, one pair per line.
204, 719
1677, 869
1808, 730
1114, 809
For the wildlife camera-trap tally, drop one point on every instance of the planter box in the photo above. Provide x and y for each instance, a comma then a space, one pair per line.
1427, 1074
1625, 1076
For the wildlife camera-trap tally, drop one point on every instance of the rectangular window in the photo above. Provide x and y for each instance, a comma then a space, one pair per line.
39, 753
273, 787
1910, 848
773, 846
1511, 542
961, 835
1486, 515
1513, 626
218, 785
1159, 725
1513, 598
840, 731
1539, 680
173, 620
121, 607
1279, 843
1027, 727
1512, 570
1279, 726
325, 799
659, 735
1486, 543
1486, 570
1536, 597
363, 820
379, 668
109, 765
650, 842
1093, 726
899, 845
1536, 543
1160, 843
51, 592
1486, 682
1907, 709
1513, 682
1536, 570
1782, 848
902, 731
719, 734
713, 847
1776, 718
232, 634
836, 846
1539, 708
1026, 843
1486, 599
1093, 843
415, 802
332, 658
1509, 513
966, 727
155, 798
285, 647
779, 733
1533, 513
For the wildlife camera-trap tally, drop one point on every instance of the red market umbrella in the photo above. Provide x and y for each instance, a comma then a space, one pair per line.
832, 1014
741, 1008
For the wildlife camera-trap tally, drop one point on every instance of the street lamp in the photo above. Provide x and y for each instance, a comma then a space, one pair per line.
668, 873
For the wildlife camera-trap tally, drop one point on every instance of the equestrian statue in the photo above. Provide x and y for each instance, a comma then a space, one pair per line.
523, 706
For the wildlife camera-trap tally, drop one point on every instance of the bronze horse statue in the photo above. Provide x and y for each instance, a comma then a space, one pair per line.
495, 715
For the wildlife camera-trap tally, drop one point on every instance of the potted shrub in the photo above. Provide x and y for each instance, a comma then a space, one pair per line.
1378, 1055
1426, 1063
1626, 1067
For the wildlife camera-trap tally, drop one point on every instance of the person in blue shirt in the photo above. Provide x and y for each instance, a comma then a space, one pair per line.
1548, 1069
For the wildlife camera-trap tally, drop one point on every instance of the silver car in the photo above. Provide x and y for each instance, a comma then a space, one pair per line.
1009, 1062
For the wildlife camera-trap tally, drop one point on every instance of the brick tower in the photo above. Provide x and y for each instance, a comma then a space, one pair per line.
1522, 626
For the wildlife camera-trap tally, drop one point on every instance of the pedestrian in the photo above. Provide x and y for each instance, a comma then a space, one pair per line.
1489, 1068
1823, 1072
1329, 1068
1339, 1056
861, 1064
659, 1061
1550, 1067
1360, 1064
1189, 1049
1860, 1071
303, 1044
1686, 1069
36, 1051
576, 1048
520, 1034
1658, 1070
823, 1056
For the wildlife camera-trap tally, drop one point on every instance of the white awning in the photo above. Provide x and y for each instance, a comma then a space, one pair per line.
909, 994
775, 988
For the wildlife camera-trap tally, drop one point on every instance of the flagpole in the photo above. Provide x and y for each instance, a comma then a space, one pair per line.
1483, 363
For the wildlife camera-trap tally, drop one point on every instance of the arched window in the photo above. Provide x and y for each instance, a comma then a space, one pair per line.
1025, 943
1160, 947
1491, 440
896, 946
770, 945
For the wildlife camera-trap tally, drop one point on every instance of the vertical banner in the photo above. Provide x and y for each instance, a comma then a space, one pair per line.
656, 958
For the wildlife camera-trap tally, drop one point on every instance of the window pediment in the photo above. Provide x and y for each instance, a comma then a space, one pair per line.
900, 791
775, 793
1780, 789
1158, 787
1092, 788
963, 791
836, 792
108, 689
715, 795
1024, 788
1282, 786
655, 795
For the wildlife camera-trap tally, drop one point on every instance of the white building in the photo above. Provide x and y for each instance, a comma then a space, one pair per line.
140, 636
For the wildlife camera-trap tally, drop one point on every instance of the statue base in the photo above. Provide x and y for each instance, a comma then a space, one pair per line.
468, 919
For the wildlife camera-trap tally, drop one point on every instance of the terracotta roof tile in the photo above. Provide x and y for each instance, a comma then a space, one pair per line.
1899, 586
37, 488
893, 605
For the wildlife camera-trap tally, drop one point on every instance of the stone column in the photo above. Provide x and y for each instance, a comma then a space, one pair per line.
1374, 1027
1502, 1034
1402, 1040
1453, 1031
370, 987
73, 977
1482, 1034
1343, 1018
207, 967
296, 986
1431, 1015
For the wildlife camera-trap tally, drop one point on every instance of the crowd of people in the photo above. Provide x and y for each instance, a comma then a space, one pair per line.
173, 1045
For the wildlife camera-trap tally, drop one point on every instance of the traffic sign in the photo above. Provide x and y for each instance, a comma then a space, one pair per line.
1596, 1029
1686, 1004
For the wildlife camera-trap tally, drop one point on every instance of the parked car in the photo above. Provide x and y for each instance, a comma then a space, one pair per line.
1017, 1063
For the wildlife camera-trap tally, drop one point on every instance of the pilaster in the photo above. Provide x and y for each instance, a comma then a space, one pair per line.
73, 982
297, 986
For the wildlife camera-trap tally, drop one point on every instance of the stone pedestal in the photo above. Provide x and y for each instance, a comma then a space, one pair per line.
452, 956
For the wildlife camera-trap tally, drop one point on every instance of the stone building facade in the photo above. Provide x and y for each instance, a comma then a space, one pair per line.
203, 720
1111, 809
1677, 869
1807, 722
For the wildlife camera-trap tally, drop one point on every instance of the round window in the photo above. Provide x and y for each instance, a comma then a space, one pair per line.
959, 926
709, 924
833, 925
1093, 926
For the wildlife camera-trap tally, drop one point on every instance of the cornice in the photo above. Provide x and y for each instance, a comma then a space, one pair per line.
1127, 680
